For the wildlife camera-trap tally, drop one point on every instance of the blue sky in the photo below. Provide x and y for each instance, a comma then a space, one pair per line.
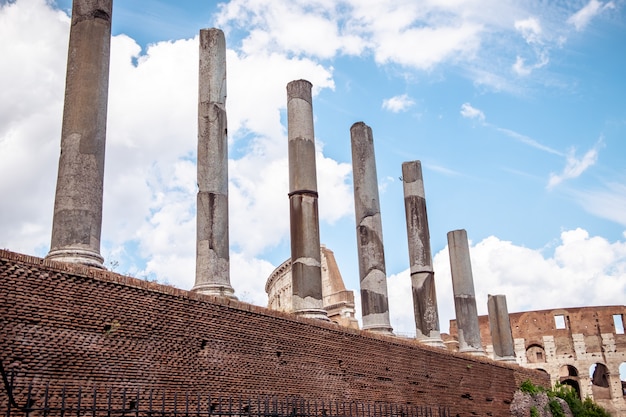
516, 111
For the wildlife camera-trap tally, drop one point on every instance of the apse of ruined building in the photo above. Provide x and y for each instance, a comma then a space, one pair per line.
338, 302
583, 347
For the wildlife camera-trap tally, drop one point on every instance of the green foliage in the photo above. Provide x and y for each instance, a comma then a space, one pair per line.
529, 388
586, 408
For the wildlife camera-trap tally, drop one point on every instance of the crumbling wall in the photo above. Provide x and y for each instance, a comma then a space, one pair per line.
68, 324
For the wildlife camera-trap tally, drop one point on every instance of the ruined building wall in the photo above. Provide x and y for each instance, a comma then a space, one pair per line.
65, 323
566, 343
337, 301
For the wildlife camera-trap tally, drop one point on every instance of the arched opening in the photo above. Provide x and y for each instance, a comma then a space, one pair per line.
535, 354
599, 375
568, 375
574, 384
568, 371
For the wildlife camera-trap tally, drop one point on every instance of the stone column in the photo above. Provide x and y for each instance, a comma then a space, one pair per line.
369, 231
500, 327
77, 220
464, 296
306, 270
212, 251
420, 257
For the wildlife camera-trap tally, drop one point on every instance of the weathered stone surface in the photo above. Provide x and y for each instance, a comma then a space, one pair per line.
303, 211
372, 273
212, 242
464, 296
500, 327
420, 258
77, 221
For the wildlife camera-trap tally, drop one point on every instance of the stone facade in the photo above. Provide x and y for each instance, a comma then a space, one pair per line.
338, 302
582, 347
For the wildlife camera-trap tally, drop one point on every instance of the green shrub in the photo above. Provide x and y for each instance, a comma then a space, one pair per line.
586, 408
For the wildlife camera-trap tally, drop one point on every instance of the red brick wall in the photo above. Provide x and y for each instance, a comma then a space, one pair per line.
67, 324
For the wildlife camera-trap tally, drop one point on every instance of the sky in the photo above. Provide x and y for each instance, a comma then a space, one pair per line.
516, 111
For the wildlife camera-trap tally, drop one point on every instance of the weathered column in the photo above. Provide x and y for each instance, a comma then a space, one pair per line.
306, 272
369, 230
464, 296
77, 220
212, 251
500, 328
420, 257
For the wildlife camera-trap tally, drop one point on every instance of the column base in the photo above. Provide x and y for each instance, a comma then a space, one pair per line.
473, 351
509, 359
379, 329
216, 290
77, 256
313, 313
432, 341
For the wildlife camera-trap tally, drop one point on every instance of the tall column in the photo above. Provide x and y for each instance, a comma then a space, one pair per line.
420, 257
464, 296
500, 327
212, 251
306, 272
369, 230
77, 220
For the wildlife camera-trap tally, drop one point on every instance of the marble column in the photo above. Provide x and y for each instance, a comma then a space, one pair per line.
464, 295
212, 250
500, 328
420, 257
369, 230
306, 270
77, 220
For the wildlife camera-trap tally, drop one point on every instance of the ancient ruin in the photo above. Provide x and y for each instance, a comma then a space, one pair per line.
303, 211
338, 302
582, 347
77, 220
212, 245
420, 257
464, 295
369, 230
100, 330
500, 328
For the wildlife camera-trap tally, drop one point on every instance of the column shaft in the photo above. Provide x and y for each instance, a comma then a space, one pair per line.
500, 328
464, 296
212, 246
77, 221
306, 270
420, 257
372, 273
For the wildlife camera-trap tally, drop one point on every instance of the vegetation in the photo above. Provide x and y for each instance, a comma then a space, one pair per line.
579, 408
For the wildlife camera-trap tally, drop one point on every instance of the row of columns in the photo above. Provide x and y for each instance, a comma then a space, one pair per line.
78, 201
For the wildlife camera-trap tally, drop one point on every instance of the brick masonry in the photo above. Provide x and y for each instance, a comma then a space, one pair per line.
78, 326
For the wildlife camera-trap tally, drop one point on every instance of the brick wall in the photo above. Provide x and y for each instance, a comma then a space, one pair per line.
68, 324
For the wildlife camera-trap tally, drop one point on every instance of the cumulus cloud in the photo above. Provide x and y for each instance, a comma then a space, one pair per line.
149, 223
582, 17
470, 112
580, 269
397, 104
574, 166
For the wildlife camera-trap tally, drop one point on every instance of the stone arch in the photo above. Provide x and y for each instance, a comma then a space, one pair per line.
567, 371
535, 354
568, 375
599, 376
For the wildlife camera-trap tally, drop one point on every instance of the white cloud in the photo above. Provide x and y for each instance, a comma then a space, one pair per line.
607, 203
578, 273
574, 167
397, 104
530, 29
470, 112
581, 18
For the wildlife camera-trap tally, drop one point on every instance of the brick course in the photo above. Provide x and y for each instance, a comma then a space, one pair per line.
79, 326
